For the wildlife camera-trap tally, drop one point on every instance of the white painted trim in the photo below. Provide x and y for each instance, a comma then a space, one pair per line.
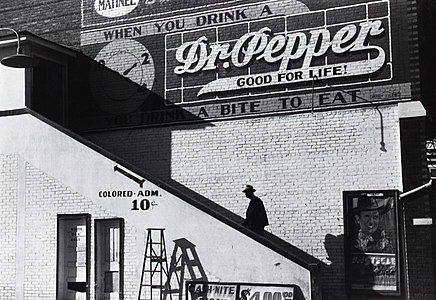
20, 246
422, 221
428, 184
411, 109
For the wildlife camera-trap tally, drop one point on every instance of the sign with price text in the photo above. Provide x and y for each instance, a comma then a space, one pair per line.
239, 291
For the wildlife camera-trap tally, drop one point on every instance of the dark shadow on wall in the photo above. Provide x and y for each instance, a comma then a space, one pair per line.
111, 110
185, 265
298, 294
362, 273
164, 280
334, 246
101, 99
284, 245
102, 113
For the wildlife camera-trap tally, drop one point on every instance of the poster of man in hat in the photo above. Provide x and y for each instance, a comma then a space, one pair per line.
369, 213
372, 240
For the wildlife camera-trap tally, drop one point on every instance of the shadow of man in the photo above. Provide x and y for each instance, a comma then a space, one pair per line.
360, 273
334, 272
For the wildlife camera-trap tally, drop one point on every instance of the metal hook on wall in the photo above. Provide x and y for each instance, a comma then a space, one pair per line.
382, 140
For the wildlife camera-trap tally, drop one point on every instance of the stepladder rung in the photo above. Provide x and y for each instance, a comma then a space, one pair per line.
153, 286
172, 291
157, 287
157, 258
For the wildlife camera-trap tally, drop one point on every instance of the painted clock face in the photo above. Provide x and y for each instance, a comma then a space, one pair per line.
124, 86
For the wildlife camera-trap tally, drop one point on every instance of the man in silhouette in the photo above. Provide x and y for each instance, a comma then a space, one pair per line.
256, 218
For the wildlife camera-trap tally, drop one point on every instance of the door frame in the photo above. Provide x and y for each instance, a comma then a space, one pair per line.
88, 247
96, 253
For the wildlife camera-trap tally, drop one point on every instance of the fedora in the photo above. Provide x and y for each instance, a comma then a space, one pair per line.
248, 188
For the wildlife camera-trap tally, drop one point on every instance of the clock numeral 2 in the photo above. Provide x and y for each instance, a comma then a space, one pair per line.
146, 57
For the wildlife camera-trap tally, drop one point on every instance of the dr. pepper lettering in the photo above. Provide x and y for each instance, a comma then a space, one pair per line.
199, 55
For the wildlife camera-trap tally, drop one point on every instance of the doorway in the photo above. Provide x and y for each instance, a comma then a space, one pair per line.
109, 236
73, 257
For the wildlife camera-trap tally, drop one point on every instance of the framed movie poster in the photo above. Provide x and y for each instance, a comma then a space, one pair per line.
372, 242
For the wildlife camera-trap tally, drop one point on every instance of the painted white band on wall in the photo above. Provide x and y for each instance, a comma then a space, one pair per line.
411, 109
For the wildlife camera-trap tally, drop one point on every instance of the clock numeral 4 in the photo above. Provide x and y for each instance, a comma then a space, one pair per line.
100, 65
143, 89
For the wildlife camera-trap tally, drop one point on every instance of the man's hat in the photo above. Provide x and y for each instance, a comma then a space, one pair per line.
249, 188
367, 203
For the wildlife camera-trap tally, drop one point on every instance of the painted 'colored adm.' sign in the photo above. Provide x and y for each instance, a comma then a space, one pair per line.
215, 61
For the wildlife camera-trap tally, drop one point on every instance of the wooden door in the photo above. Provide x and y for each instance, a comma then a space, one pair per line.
109, 243
72, 281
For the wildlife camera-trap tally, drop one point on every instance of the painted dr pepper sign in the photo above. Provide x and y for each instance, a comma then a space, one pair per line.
281, 53
285, 49
275, 53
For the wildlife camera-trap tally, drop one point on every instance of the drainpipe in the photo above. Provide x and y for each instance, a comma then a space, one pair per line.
417, 189
404, 243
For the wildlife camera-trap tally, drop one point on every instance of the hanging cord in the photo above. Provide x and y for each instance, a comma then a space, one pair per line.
382, 140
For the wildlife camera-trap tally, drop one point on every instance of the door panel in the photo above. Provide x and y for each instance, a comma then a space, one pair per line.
108, 241
72, 283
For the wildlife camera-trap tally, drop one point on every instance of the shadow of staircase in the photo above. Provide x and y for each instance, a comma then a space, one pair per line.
270, 240
89, 110
275, 243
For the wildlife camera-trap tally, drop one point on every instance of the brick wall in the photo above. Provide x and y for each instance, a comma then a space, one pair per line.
9, 194
419, 246
56, 20
45, 198
41, 235
413, 49
299, 164
57, 175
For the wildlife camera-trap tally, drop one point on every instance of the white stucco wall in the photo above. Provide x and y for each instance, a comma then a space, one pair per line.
11, 88
226, 254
